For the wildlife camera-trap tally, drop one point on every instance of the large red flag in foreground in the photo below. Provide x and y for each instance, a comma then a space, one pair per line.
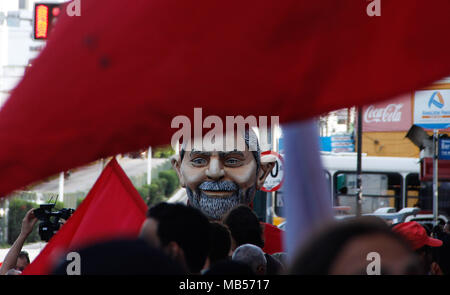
111, 80
112, 209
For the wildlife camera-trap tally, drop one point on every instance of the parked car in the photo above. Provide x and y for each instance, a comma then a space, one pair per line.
390, 216
427, 220
394, 217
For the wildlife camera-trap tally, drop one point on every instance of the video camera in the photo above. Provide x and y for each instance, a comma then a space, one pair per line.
50, 223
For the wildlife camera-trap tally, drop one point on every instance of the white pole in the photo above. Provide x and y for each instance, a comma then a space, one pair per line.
6, 219
177, 148
61, 187
435, 176
149, 166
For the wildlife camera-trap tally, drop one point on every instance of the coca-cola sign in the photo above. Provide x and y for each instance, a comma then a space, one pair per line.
394, 115
390, 113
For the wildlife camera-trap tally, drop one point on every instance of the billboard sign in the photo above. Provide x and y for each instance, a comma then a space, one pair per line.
432, 109
444, 148
342, 143
392, 115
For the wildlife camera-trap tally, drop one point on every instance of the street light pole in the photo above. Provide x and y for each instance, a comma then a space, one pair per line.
358, 165
61, 187
149, 166
270, 197
435, 176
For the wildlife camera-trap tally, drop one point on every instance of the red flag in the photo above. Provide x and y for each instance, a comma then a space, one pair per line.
111, 80
112, 209
273, 239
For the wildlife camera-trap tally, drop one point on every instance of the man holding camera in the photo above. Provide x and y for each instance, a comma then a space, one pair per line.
16, 260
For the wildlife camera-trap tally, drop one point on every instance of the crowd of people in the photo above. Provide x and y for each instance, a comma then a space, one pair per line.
178, 239
218, 233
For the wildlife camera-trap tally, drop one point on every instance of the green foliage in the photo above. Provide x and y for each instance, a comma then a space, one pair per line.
79, 201
58, 206
24, 195
17, 210
163, 152
172, 181
160, 189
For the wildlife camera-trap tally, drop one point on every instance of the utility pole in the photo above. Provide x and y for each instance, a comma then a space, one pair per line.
61, 187
149, 166
358, 165
435, 176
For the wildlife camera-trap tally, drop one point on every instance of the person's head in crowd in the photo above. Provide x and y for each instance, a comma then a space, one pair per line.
253, 256
121, 257
343, 248
428, 228
23, 260
419, 240
218, 180
13, 272
181, 231
229, 267
244, 226
447, 227
220, 239
281, 257
442, 254
246, 229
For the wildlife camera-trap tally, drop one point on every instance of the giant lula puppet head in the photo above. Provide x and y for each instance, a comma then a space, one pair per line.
218, 180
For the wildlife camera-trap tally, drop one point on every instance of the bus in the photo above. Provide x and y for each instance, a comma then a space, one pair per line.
386, 182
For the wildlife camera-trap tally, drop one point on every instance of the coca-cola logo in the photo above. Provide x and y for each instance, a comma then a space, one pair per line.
390, 113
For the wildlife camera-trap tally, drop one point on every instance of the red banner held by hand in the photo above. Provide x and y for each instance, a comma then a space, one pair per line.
112, 209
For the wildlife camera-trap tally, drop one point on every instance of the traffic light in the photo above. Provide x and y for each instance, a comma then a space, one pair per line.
45, 16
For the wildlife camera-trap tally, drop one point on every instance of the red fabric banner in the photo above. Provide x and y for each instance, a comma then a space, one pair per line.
273, 239
111, 80
112, 209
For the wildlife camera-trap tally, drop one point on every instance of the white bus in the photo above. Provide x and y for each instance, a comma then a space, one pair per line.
386, 182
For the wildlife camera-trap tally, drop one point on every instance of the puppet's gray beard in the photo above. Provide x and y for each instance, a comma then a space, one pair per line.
215, 208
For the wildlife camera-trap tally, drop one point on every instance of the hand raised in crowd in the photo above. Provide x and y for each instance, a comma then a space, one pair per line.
10, 263
28, 223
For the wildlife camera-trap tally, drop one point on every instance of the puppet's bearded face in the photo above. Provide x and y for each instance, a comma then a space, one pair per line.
218, 181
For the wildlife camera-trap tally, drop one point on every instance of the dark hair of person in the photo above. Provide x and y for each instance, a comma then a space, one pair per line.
429, 256
244, 226
220, 240
186, 226
24, 254
318, 256
427, 228
122, 257
229, 267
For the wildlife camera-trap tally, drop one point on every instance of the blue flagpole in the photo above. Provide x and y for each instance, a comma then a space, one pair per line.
307, 201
